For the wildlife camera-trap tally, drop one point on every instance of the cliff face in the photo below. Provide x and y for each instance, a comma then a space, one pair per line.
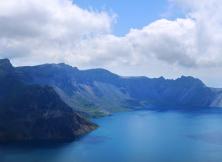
34, 112
100, 92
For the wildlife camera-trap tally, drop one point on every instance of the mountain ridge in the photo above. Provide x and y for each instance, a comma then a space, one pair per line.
32, 112
99, 91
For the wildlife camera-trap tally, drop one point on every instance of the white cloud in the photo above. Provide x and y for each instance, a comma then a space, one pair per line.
193, 41
207, 16
38, 31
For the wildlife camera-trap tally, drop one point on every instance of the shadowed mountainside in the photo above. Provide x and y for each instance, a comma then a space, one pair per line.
34, 112
100, 92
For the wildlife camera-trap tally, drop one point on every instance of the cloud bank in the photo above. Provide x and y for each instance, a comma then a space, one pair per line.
46, 30
39, 31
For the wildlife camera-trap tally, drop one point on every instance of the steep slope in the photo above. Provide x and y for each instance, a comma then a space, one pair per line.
100, 92
184, 91
33, 112
92, 91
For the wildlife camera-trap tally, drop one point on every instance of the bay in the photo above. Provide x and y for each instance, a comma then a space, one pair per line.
138, 136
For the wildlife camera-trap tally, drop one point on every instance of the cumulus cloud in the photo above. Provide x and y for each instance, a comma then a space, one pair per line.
208, 29
169, 41
39, 31
192, 42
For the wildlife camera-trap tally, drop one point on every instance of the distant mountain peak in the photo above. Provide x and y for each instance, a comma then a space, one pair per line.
60, 66
190, 79
100, 70
161, 78
5, 62
6, 65
183, 77
64, 65
52, 66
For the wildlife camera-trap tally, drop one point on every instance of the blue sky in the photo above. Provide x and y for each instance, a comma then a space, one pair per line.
130, 14
173, 37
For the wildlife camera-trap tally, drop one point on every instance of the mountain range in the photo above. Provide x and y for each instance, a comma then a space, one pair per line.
35, 112
98, 92
52, 101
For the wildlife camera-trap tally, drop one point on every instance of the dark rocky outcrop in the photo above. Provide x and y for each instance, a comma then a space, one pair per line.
35, 112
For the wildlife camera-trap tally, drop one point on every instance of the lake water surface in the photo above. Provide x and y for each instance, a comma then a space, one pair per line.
140, 136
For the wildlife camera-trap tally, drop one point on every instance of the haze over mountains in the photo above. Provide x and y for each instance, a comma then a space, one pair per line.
44, 102
99, 92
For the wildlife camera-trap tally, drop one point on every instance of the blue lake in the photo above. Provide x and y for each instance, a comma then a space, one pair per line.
140, 136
